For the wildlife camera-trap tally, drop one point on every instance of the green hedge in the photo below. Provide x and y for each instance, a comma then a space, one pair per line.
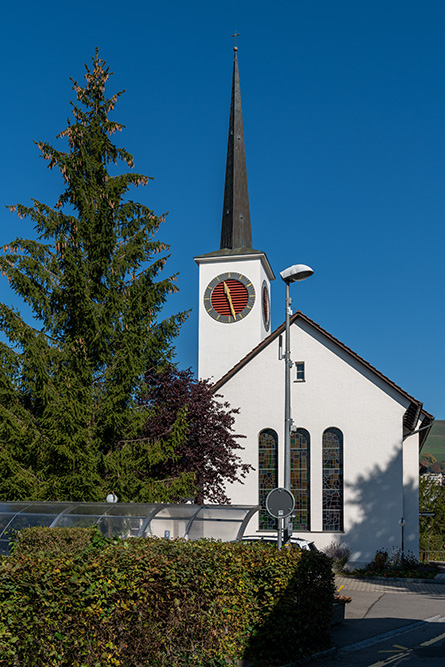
153, 603
53, 540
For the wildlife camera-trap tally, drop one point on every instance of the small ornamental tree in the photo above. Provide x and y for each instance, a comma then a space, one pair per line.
432, 528
209, 450
70, 381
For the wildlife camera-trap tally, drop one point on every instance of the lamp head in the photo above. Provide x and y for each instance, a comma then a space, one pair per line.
296, 272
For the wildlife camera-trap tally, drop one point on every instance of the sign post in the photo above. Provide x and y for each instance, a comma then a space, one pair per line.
280, 504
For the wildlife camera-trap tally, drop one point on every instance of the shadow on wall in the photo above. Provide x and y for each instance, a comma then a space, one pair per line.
381, 502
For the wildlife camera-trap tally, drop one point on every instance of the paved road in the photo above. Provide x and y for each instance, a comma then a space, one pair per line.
389, 624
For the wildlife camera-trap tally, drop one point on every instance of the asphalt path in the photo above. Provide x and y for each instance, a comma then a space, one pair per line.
389, 623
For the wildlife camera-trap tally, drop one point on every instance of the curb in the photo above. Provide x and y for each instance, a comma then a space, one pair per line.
322, 654
315, 656
406, 580
296, 663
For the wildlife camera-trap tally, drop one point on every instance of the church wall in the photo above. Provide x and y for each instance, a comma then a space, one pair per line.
221, 346
411, 492
338, 392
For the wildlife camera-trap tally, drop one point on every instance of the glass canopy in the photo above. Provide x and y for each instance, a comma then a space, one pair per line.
221, 522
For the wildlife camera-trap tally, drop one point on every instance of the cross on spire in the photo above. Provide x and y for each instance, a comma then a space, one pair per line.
235, 35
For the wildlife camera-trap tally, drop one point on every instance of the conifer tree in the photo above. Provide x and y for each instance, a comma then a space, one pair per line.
70, 380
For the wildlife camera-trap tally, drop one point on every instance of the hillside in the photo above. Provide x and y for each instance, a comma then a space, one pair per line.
435, 443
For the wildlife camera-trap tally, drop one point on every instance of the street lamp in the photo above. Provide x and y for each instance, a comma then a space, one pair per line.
290, 275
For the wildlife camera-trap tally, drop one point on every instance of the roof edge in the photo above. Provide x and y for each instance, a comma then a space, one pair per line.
237, 254
415, 406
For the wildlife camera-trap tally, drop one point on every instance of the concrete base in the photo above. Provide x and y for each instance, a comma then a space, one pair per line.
338, 613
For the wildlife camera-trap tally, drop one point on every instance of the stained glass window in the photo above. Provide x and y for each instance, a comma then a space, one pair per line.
333, 480
267, 475
300, 477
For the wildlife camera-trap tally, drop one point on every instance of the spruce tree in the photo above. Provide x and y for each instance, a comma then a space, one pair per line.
70, 381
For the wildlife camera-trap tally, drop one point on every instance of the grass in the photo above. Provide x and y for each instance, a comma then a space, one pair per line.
435, 442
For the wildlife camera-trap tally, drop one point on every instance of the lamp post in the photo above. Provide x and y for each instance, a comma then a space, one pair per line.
293, 274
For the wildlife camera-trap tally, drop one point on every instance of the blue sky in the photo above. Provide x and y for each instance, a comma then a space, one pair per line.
344, 122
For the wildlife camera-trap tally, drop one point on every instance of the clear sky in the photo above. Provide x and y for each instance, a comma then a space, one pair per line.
344, 123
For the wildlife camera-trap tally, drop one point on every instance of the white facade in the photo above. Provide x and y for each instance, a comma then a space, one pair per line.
222, 345
374, 421
380, 468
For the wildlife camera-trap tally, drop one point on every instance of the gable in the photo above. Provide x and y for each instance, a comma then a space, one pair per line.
413, 409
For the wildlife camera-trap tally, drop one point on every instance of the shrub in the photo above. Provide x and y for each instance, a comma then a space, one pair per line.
339, 554
156, 602
52, 540
380, 562
396, 564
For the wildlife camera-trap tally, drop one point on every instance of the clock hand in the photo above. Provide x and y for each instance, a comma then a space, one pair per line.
229, 299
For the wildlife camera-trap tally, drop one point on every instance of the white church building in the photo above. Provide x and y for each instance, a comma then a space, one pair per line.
356, 435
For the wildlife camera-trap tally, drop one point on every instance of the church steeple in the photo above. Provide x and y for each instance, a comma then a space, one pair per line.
234, 281
235, 229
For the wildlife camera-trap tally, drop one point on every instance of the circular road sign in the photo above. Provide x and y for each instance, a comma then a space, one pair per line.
280, 503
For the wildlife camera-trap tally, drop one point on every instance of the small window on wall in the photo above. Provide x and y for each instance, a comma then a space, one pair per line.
299, 371
267, 475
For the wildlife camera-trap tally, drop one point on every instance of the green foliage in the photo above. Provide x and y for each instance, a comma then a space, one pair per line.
156, 602
55, 540
432, 529
69, 383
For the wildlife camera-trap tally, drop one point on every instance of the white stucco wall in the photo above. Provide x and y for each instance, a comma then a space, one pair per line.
343, 393
411, 492
222, 345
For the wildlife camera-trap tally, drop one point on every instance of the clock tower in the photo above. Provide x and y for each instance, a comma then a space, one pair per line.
234, 281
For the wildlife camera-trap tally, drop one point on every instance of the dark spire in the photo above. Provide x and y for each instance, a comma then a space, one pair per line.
235, 228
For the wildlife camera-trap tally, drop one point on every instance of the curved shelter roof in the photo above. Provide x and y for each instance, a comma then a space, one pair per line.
123, 520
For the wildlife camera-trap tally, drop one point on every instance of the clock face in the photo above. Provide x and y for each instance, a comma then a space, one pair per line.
265, 303
229, 297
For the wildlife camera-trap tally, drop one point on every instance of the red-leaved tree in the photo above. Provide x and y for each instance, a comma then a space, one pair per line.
210, 448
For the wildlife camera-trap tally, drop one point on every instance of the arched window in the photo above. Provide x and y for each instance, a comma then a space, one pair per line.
333, 480
300, 443
267, 474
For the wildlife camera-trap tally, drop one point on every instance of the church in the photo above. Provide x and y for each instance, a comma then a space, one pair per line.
355, 435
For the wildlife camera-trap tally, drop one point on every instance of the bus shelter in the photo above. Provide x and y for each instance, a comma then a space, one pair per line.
123, 520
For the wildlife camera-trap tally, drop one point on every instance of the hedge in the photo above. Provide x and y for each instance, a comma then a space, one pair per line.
72, 540
154, 602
